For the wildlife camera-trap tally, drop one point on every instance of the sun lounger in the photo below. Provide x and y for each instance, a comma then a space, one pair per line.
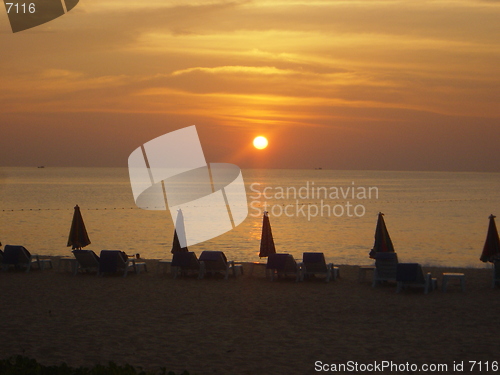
411, 275
114, 261
216, 261
20, 257
283, 265
185, 262
17, 257
314, 263
496, 272
87, 260
385, 267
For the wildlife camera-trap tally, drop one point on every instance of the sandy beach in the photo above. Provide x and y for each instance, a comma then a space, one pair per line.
247, 325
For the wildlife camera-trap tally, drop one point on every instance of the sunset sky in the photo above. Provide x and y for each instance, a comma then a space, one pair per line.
384, 85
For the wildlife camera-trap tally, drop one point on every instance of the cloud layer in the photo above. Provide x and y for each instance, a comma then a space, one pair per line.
306, 73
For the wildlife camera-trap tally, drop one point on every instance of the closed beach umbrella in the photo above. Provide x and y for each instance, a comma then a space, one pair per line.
383, 242
266, 240
179, 231
491, 249
78, 236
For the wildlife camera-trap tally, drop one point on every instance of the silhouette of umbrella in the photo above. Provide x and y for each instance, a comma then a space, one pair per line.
266, 240
78, 236
491, 249
383, 242
179, 228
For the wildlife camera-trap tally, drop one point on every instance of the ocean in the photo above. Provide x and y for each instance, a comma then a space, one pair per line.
434, 218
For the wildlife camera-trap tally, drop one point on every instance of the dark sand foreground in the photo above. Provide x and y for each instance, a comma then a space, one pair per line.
247, 325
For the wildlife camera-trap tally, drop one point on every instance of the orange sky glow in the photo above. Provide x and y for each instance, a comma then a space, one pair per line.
384, 85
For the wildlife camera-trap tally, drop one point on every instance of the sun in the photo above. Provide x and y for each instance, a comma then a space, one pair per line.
260, 142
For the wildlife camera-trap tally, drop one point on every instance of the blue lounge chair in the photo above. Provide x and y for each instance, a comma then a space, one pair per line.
314, 263
114, 261
282, 265
496, 272
411, 275
386, 264
20, 257
87, 260
184, 262
216, 261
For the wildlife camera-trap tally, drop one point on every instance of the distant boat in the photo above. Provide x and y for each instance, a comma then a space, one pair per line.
318, 168
41, 166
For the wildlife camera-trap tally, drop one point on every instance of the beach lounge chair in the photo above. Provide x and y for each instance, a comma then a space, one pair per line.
283, 265
386, 264
216, 261
114, 261
314, 263
411, 275
20, 257
184, 262
496, 272
87, 261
